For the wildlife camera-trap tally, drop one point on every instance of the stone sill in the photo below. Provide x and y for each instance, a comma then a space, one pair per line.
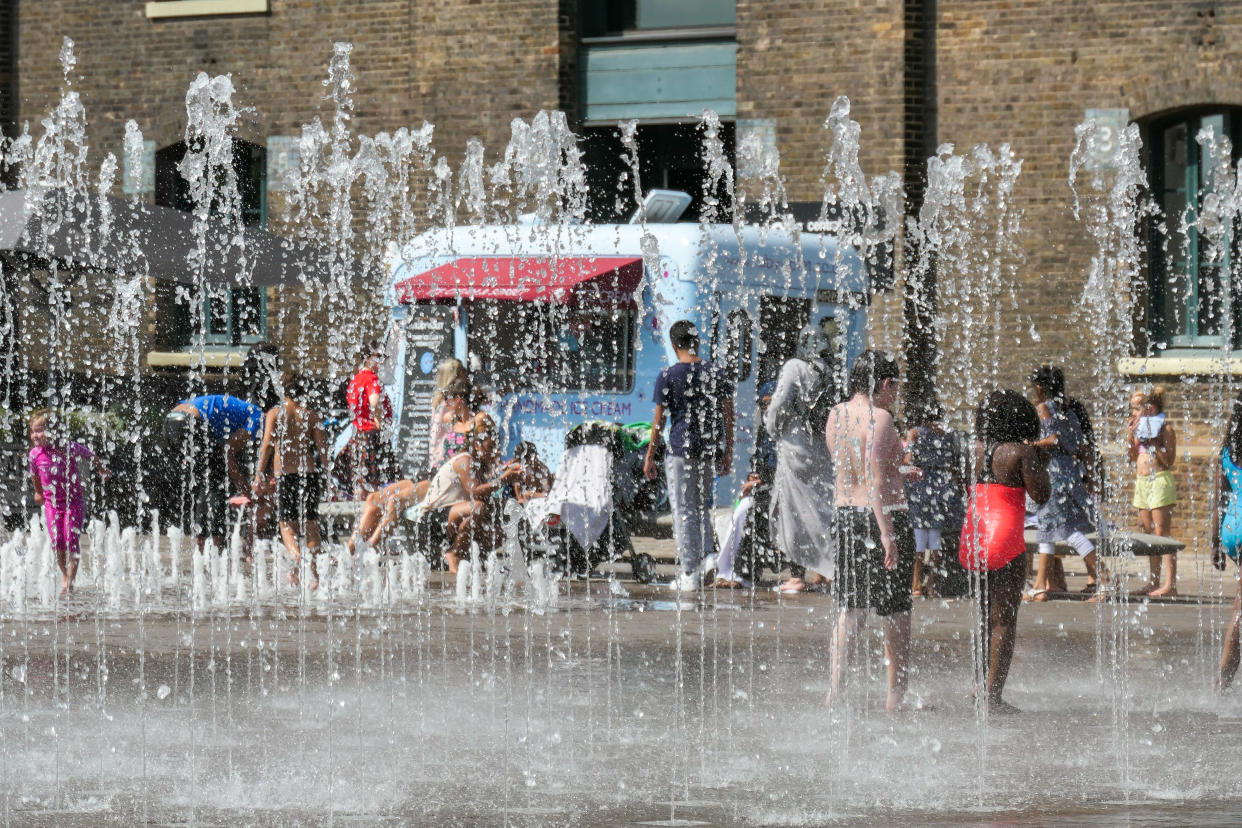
1175, 366
226, 358
203, 8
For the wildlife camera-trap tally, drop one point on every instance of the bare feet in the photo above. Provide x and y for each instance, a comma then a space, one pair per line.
1163, 592
793, 585
1002, 708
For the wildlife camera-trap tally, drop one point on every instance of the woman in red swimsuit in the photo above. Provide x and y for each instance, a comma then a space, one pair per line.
1008, 469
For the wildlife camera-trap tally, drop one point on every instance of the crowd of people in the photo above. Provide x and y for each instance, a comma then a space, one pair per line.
266, 450
851, 504
854, 508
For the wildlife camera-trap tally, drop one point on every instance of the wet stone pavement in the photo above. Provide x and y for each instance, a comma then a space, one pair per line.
616, 705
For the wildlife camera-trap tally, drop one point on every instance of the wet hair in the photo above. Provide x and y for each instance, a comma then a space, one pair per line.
295, 385
684, 335
1051, 379
1005, 416
448, 371
45, 415
373, 347
870, 370
452, 380
525, 452
1153, 397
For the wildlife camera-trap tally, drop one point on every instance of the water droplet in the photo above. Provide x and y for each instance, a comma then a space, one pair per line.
163, 691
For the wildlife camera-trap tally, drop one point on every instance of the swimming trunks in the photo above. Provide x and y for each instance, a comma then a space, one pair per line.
861, 580
297, 497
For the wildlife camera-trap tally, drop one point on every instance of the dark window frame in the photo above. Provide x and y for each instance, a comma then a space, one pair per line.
1208, 321
232, 316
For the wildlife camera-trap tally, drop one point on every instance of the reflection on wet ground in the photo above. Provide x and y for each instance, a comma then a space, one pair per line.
610, 710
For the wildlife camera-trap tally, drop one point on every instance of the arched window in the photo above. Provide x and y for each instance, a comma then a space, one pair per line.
1192, 301
231, 316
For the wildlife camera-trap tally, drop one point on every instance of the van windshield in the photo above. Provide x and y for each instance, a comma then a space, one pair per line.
552, 348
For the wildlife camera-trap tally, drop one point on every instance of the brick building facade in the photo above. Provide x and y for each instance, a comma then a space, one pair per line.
919, 72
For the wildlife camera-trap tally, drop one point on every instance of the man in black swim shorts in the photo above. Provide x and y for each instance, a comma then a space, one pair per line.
870, 528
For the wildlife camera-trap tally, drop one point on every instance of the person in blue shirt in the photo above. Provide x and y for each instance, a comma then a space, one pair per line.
207, 437
698, 402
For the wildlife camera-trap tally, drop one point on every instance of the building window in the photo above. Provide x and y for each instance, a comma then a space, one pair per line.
661, 64
620, 18
229, 316
1192, 303
670, 157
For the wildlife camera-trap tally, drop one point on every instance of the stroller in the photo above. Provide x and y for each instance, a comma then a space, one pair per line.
585, 519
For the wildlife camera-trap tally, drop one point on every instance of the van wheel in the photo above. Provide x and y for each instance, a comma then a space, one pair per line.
643, 567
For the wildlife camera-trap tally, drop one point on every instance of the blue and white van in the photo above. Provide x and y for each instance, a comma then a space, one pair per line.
569, 323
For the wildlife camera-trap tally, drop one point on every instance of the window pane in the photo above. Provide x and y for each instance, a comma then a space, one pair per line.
595, 351
1210, 288
510, 340
1176, 293
216, 311
661, 14
247, 313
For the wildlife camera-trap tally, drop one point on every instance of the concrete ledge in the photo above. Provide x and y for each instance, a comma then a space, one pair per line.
191, 359
203, 8
1139, 543
1178, 366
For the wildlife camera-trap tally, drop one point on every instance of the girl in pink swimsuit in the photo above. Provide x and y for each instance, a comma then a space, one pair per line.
58, 487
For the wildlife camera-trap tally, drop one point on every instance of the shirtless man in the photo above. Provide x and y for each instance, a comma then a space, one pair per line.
874, 541
295, 445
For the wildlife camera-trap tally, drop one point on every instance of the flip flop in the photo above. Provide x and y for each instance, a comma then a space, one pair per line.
1090, 589
1035, 595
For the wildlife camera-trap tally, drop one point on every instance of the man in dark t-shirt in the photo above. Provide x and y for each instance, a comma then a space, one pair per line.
698, 400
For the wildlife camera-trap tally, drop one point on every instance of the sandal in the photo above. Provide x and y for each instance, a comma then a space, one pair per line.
1035, 595
1090, 589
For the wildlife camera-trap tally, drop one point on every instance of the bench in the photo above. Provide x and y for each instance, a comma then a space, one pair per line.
1141, 544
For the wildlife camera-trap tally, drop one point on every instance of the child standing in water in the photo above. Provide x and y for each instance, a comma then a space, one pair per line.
1153, 447
59, 489
934, 495
297, 449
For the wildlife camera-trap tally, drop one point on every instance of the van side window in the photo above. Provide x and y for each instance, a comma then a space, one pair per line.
594, 350
552, 348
